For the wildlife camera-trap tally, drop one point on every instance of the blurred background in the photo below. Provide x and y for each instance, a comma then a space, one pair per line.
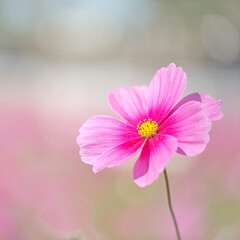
58, 61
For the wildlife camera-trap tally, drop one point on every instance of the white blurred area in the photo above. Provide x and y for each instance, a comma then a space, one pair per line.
67, 54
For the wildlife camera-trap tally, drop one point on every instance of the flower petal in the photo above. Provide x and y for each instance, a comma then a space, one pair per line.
190, 125
100, 133
118, 154
153, 159
166, 87
211, 106
130, 103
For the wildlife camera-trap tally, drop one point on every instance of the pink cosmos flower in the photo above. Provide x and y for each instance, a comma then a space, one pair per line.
153, 124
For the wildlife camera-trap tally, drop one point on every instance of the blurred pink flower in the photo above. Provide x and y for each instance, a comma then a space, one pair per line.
36, 181
193, 222
152, 125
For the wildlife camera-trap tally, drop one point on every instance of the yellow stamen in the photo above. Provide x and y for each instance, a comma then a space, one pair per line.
147, 128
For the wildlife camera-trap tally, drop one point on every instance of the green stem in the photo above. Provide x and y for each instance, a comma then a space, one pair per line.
170, 204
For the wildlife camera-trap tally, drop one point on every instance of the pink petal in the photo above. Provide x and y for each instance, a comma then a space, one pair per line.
166, 87
190, 125
101, 133
154, 157
118, 154
130, 103
211, 106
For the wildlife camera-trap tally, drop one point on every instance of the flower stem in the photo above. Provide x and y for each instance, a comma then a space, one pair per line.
170, 204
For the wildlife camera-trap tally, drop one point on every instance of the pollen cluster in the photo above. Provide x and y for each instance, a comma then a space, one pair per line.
147, 128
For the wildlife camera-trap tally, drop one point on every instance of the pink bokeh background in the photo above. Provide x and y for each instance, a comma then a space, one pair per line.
58, 61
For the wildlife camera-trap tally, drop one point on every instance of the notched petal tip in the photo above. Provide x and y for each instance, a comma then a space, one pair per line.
172, 65
212, 107
166, 87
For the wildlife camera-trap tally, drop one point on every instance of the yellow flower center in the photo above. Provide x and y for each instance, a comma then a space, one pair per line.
147, 128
